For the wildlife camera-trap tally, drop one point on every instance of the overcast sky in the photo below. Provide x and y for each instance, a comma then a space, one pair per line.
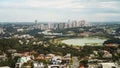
59, 10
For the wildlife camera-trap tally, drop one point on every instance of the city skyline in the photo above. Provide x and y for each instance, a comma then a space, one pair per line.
59, 10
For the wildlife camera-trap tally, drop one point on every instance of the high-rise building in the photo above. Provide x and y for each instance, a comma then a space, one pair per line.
69, 24
36, 21
2, 31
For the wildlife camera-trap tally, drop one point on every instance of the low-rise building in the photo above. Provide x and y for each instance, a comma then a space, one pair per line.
3, 57
107, 65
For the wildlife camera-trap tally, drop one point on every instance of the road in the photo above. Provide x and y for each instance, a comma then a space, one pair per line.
75, 62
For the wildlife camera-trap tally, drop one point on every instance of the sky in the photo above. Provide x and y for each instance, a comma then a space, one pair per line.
59, 10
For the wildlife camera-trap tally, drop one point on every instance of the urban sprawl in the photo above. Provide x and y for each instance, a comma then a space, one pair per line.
39, 45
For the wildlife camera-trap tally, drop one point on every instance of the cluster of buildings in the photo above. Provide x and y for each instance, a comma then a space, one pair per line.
34, 60
69, 24
28, 60
27, 36
107, 59
48, 32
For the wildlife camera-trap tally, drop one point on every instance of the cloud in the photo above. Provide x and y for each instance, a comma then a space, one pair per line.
108, 14
59, 9
40, 4
110, 5
60, 4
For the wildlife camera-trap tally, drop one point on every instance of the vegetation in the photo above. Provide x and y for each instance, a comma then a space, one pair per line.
112, 41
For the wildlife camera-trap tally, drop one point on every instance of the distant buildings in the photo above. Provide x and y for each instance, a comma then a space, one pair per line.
69, 24
27, 36
47, 32
20, 30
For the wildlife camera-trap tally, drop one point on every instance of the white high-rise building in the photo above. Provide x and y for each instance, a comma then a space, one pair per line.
2, 31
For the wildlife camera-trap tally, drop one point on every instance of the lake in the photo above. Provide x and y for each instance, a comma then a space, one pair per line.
84, 41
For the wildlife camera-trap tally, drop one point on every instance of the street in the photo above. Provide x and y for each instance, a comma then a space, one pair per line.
75, 62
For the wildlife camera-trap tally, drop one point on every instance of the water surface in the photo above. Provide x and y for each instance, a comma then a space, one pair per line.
84, 41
